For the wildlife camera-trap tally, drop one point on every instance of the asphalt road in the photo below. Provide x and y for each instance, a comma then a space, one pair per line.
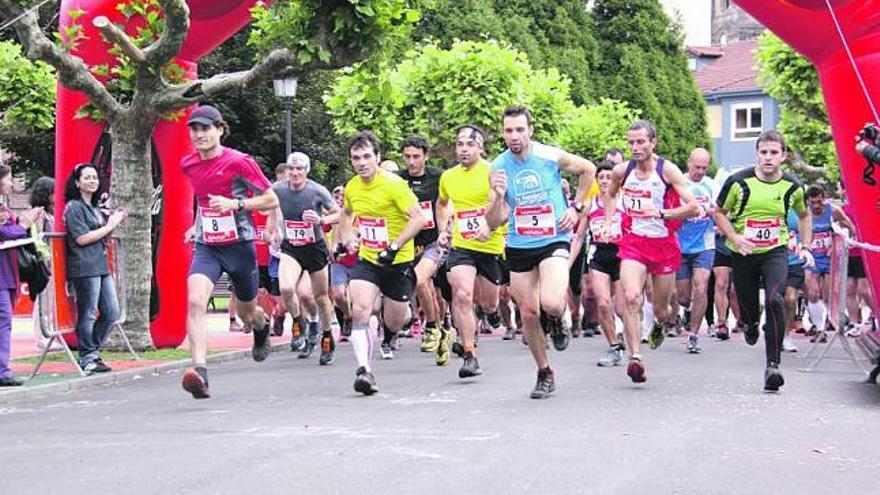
701, 424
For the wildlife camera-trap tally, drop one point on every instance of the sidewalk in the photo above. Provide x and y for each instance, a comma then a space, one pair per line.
222, 345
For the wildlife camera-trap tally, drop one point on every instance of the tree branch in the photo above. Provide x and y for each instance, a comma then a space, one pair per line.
119, 38
72, 71
177, 24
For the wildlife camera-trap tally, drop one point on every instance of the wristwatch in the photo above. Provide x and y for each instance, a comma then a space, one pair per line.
240, 204
394, 247
662, 215
578, 206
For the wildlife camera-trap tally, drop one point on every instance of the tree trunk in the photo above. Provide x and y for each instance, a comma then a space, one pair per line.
131, 189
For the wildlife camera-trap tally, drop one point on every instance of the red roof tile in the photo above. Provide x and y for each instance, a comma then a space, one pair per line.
735, 70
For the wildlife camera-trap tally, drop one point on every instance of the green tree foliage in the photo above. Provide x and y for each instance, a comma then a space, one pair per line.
591, 130
643, 63
27, 103
552, 33
434, 90
793, 82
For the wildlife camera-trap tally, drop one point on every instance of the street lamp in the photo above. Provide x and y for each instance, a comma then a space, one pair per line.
286, 90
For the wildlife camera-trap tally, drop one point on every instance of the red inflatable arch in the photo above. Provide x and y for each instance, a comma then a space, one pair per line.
82, 140
842, 40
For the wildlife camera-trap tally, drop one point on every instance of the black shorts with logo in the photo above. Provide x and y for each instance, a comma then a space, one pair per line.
312, 258
396, 282
488, 265
605, 260
524, 260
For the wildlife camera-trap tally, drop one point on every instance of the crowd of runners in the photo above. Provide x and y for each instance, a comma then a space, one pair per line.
637, 251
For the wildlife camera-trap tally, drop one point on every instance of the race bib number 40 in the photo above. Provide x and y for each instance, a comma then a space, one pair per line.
763, 233
374, 232
535, 220
427, 210
299, 233
218, 228
469, 222
638, 203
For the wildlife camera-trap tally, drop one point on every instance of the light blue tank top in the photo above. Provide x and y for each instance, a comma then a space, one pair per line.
535, 196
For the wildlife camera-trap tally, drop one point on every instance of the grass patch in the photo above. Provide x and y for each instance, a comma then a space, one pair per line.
156, 355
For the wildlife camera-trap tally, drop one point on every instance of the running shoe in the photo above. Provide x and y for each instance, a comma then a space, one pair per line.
470, 367
234, 325
657, 335
494, 320
820, 337
509, 334
672, 327
812, 331
430, 340
101, 367
297, 341
612, 357
406, 331
797, 326
560, 335
385, 351
576, 327
443, 345
750, 332
89, 368
262, 346
328, 349
722, 332
278, 326
365, 382
692, 347
307, 351
636, 370
788, 345
196, 383
773, 378
546, 384
345, 332
591, 330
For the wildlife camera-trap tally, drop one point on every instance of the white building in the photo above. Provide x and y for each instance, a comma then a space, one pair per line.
696, 17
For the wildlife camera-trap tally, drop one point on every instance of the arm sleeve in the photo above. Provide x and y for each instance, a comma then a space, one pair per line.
441, 190
252, 176
404, 198
75, 218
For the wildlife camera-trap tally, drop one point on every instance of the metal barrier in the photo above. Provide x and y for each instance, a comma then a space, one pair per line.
56, 305
839, 335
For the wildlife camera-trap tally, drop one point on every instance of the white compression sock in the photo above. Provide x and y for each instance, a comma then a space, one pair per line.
818, 313
647, 318
362, 345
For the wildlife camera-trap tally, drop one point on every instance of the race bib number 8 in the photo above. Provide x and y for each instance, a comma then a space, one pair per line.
218, 228
763, 233
427, 210
535, 220
638, 203
374, 232
469, 222
299, 233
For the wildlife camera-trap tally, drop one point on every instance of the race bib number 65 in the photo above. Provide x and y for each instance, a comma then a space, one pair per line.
470, 221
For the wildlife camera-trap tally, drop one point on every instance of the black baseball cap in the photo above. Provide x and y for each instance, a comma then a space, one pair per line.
205, 115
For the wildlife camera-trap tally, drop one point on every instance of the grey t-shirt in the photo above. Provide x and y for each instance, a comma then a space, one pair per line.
89, 260
312, 196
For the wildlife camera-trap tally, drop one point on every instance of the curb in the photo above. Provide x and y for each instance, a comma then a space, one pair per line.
16, 394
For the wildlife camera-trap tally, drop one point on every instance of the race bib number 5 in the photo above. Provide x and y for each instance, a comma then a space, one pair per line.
535, 220
470, 221
218, 228
299, 233
763, 233
374, 232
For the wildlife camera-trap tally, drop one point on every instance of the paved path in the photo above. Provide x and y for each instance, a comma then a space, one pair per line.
701, 424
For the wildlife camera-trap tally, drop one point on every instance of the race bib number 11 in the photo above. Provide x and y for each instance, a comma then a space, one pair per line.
374, 232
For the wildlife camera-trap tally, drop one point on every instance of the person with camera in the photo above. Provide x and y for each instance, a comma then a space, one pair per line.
88, 232
866, 143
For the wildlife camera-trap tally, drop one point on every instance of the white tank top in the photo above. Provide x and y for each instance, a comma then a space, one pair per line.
641, 199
